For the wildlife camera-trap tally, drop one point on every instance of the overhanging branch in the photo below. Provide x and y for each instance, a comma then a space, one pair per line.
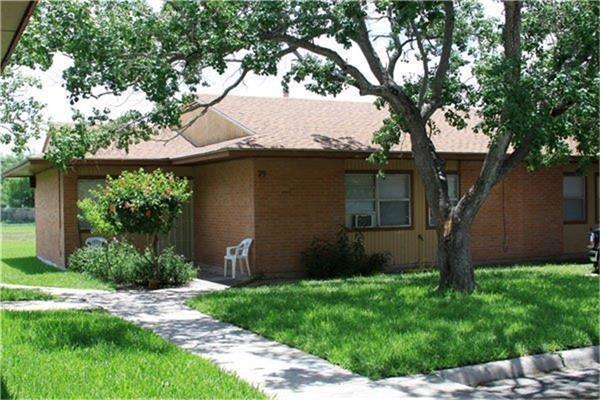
362, 83
444, 64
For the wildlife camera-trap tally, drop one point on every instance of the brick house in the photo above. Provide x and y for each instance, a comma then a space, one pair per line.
284, 171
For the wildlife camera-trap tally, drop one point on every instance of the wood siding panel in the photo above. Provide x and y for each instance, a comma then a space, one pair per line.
416, 246
521, 219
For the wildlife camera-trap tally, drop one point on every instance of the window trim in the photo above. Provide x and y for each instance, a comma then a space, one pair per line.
585, 200
428, 226
411, 203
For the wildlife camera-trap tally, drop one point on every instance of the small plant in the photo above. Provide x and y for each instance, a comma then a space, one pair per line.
342, 257
174, 269
137, 202
121, 263
117, 262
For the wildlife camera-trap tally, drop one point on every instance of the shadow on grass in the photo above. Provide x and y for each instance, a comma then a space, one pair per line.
54, 331
385, 325
29, 265
4, 393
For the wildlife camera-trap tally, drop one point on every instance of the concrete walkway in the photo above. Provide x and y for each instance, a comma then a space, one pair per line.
279, 370
45, 305
564, 384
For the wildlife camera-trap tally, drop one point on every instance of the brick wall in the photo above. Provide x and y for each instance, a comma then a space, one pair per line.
72, 239
48, 233
223, 208
522, 217
296, 200
284, 203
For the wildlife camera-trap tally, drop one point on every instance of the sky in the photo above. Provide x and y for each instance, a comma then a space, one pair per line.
58, 109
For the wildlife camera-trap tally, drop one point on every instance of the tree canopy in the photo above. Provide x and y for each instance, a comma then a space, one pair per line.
530, 74
165, 54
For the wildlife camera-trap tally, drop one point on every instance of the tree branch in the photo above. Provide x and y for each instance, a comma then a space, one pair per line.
365, 45
362, 83
524, 147
425, 62
444, 64
496, 156
205, 106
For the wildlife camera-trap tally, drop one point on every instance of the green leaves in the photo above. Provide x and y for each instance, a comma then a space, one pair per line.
165, 54
136, 202
21, 117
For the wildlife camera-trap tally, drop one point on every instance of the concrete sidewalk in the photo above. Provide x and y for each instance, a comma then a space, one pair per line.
279, 370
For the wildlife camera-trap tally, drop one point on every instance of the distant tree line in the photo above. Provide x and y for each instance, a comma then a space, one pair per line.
16, 192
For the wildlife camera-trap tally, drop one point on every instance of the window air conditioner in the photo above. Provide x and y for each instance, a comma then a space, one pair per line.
364, 220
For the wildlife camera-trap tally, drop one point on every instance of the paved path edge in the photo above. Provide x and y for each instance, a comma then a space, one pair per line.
475, 375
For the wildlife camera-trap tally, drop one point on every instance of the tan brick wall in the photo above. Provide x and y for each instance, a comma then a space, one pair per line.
296, 200
223, 208
48, 233
70, 221
522, 217
284, 203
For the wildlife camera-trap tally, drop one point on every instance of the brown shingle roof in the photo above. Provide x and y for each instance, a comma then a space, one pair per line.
164, 145
298, 124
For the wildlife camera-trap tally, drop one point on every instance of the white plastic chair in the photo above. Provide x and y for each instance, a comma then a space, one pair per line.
95, 241
238, 253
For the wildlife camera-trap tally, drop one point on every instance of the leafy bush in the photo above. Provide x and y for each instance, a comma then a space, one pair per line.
174, 269
342, 257
138, 202
123, 264
117, 262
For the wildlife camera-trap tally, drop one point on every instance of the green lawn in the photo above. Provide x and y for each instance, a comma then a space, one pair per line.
393, 325
7, 294
19, 265
75, 354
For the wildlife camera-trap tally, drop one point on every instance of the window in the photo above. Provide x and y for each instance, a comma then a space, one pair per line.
83, 192
385, 200
453, 194
574, 198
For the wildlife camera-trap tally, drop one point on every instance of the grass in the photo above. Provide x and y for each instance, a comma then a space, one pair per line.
9, 294
18, 264
76, 354
394, 325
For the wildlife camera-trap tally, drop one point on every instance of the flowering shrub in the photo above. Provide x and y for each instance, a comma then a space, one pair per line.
137, 202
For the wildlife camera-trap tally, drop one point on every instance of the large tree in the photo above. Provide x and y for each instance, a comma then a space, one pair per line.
531, 75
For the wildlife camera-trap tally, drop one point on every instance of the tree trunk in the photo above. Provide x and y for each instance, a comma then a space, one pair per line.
454, 259
155, 266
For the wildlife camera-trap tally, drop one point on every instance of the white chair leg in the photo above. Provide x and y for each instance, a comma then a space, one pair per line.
225, 267
233, 262
248, 266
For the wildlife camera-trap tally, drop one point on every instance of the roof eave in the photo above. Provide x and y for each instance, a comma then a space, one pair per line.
29, 167
30, 7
